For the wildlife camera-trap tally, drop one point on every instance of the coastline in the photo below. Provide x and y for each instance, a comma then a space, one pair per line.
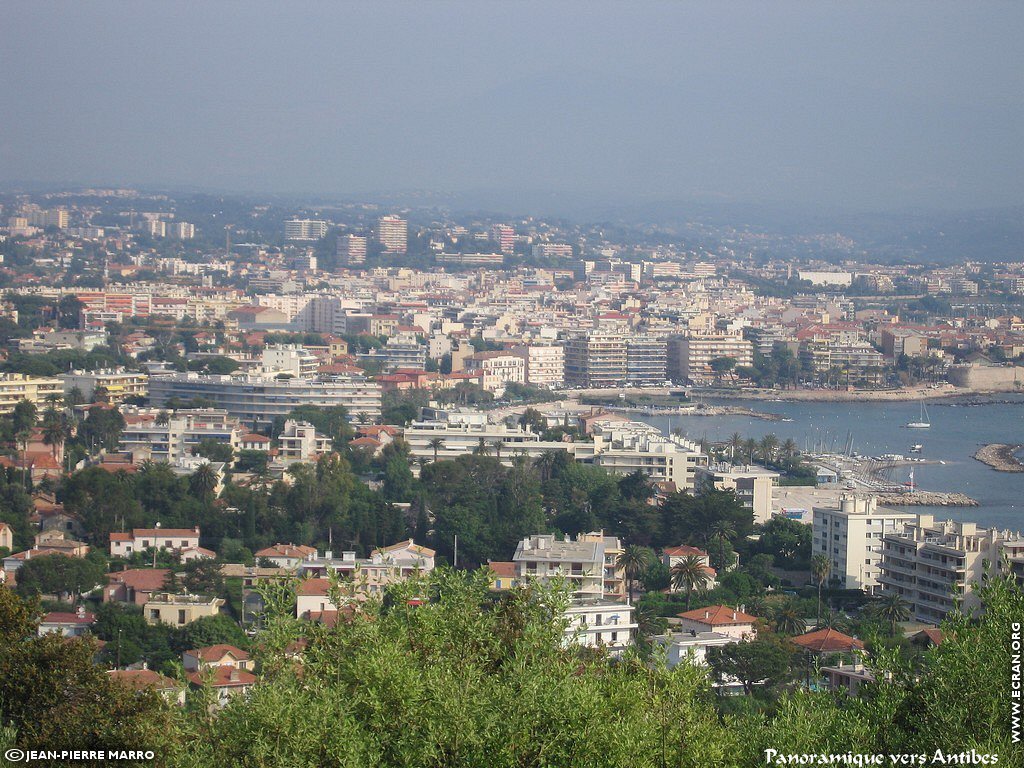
943, 392
1000, 456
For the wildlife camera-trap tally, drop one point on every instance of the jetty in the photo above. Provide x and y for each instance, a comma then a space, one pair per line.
926, 499
1001, 457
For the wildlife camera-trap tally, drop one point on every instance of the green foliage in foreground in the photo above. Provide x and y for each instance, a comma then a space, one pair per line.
468, 678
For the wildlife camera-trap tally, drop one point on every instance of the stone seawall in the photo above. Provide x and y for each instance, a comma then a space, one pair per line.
1000, 457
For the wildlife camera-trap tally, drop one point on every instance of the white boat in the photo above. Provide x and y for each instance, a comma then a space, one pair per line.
923, 422
916, 448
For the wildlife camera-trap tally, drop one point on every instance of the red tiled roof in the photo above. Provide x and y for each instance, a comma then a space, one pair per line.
218, 652
221, 677
683, 551
140, 579
141, 679
287, 550
827, 641
502, 569
718, 615
316, 587
62, 617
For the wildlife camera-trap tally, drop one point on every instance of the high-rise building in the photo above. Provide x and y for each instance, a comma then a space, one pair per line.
505, 237
934, 565
305, 229
393, 234
154, 227
596, 359
181, 230
55, 217
351, 250
851, 538
690, 357
645, 360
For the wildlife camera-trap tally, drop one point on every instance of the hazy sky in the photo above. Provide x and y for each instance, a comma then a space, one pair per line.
850, 104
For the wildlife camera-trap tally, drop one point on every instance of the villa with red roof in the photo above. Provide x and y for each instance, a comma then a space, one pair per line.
719, 618
141, 539
827, 641
215, 656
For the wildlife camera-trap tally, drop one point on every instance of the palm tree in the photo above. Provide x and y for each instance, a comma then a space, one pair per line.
788, 449
546, 463
689, 575
750, 448
723, 531
821, 567
204, 481
892, 608
648, 623
788, 621
54, 431
497, 445
735, 446
481, 448
632, 560
23, 437
833, 620
436, 444
767, 447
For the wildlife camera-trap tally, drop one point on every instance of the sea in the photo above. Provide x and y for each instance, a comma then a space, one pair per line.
959, 426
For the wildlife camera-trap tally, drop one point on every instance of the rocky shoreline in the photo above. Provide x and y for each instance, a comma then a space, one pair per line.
1000, 457
926, 499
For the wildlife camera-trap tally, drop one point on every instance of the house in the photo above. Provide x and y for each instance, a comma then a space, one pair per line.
215, 656
600, 623
691, 645
225, 682
6, 537
134, 585
13, 562
848, 677
254, 442
141, 539
288, 556
672, 556
719, 618
504, 575
67, 624
312, 599
179, 610
196, 553
824, 642
405, 554
148, 680
58, 542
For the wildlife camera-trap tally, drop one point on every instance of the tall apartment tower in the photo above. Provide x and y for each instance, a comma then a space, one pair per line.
596, 359
393, 234
351, 250
505, 237
181, 230
305, 229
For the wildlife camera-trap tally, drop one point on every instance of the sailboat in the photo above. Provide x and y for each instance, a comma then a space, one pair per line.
923, 422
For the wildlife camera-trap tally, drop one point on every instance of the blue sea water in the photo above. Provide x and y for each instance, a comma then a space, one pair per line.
957, 431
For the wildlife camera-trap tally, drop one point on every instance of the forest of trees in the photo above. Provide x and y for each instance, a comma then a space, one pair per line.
443, 672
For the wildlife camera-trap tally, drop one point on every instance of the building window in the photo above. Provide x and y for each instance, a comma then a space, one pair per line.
181, 616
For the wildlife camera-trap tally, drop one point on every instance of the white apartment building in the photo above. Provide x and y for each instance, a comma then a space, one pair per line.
753, 485
305, 229
163, 539
851, 538
496, 369
929, 563
368, 576
545, 365
257, 400
300, 442
118, 383
176, 438
351, 250
622, 448
646, 360
600, 624
289, 358
596, 359
588, 563
15, 387
393, 234
689, 357
462, 431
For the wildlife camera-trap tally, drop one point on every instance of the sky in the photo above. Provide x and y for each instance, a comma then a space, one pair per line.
858, 106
